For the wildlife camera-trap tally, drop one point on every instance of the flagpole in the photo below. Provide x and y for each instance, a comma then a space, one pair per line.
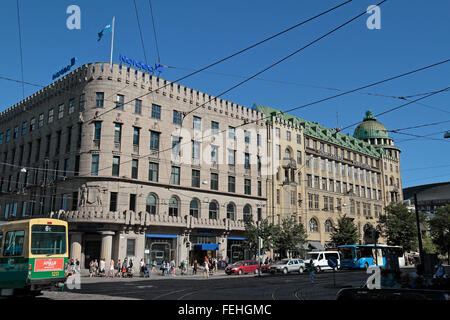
112, 43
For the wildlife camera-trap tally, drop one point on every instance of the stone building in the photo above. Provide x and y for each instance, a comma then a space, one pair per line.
323, 174
138, 166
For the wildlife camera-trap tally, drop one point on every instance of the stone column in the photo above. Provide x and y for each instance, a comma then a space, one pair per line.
222, 252
75, 246
106, 247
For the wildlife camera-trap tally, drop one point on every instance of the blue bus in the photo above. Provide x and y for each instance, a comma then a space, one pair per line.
364, 256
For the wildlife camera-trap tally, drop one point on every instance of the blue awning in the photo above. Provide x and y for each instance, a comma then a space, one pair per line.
154, 235
206, 246
236, 238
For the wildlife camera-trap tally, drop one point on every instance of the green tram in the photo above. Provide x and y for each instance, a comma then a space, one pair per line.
33, 256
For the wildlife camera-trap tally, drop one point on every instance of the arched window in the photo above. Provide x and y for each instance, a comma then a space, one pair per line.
231, 211
248, 213
329, 226
173, 207
313, 225
213, 210
287, 153
194, 208
151, 205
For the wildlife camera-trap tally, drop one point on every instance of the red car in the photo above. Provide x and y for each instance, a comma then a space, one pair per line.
241, 267
265, 268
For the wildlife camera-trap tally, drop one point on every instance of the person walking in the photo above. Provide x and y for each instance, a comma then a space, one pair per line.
91, 269
124, 267
111, 269
206, 268
119, 268
95, 267
312, 271
172, 267
142, 267
195, 267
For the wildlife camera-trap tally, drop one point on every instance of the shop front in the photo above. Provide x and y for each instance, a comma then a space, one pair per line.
160, 247
203, 245
235, 250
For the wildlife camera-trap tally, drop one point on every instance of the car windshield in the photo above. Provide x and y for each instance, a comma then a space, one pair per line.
237, 264
47, 239
313, 256
284, 261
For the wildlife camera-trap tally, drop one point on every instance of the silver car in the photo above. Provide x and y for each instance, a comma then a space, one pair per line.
288, 265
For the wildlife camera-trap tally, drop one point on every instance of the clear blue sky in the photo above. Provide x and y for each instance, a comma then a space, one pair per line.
193, 34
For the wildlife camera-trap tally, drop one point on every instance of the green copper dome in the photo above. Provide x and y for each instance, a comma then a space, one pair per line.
370, 128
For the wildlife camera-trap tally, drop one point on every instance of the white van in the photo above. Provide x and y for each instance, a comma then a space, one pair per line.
320, 259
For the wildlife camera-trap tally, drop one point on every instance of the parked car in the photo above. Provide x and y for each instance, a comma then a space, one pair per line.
241, 267
320, 259
288, 265
265, 268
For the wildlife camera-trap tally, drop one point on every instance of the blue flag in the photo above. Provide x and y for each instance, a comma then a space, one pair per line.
106, 29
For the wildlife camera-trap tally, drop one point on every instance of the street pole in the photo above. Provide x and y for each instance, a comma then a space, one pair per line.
419, 235
257, 255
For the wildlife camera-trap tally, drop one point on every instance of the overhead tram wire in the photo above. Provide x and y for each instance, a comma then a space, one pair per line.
427, 135
140, 31
418, 136
420, 126
234, 54
274, 64
400, 106
20, 48
154, 31
283, 59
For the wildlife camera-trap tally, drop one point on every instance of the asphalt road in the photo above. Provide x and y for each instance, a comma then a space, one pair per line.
219, 287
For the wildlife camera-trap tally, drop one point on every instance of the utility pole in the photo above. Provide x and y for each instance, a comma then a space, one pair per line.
419, 235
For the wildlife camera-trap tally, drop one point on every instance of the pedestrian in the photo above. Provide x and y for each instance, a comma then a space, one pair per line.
142, 267
124, 267
95, 267
91, 269
195, 267
206, 268
111, 269
185, 266
266, 261
119, 268
439, 271
172, 267
312, 271
154, 264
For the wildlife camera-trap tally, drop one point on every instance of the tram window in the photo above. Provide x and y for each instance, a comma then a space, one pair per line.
13, 243
1, 238
48, 239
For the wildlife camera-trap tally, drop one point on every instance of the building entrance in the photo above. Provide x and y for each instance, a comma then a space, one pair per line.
91, 252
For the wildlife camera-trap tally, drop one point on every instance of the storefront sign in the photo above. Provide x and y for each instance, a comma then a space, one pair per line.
65, 69
140, 65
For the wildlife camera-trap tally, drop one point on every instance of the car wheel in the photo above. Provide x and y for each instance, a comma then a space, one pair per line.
239, 272
285, 271
300, 270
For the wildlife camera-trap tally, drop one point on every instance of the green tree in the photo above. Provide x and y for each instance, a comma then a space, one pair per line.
440, 230
345, 233
399, 226
428, 245
288, 236
265, 234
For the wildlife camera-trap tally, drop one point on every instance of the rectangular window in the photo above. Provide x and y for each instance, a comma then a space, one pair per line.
99, 99
131, 245
175, 175
113, 202
214, 127
134, 168
214, 181
154, 140
115, 166
316, 201
71, 106
16, 132
60, 111
231, 157
82, 102
94, 164
197, 123
176, 150
138, 106
247, 186
24, 130
214, 155
232, 133
231, 184
177, 117
14, 243
136, 136
277, 132
259, 189
299, 157
156, 111
153, 170
246, 160
196, 150
132, 206
117, 132
196, 178
97, 130
50, 116
299, 139
8, 135
288, 135
246, 136
66, 167
258, 140
32, 125
278, 196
